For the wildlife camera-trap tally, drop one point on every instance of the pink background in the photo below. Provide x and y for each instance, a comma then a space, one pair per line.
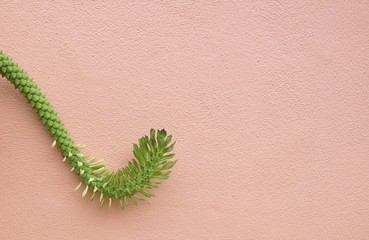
268, 102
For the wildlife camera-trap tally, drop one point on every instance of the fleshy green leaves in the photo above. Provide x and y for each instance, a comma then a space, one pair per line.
132, 182
148, 164
151, 154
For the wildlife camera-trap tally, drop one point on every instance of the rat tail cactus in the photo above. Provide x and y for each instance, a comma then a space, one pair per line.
151, 164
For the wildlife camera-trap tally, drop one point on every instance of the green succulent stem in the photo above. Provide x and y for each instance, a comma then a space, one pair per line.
152, 154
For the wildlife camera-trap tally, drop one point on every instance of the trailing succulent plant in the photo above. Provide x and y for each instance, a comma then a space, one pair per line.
151, 164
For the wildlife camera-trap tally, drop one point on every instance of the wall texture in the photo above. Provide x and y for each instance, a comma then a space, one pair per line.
268, 102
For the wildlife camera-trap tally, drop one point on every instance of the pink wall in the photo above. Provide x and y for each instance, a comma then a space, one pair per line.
268, 103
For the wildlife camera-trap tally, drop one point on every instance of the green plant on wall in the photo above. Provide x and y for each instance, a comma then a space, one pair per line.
151, 164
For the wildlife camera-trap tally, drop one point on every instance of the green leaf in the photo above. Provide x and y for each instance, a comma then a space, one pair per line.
168, 165
152, 134
169, 149
163, 176
139, 197
133, 201
146, 193
168, 140
166, 157
121, 203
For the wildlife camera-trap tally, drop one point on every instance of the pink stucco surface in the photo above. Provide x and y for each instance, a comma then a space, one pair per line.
268, 102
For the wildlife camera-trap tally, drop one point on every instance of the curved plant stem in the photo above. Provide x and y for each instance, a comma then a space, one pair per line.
152, 153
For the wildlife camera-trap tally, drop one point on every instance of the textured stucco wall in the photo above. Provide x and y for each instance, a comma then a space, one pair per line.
268, 102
